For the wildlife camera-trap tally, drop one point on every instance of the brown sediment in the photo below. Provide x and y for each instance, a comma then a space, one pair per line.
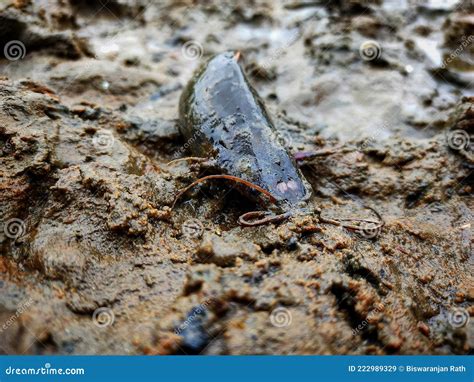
84, 144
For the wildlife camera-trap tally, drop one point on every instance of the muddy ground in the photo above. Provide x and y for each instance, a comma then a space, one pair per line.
93, 261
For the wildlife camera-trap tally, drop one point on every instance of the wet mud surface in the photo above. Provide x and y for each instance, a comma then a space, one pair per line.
94, 261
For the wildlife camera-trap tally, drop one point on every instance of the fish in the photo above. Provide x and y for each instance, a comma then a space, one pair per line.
224, 119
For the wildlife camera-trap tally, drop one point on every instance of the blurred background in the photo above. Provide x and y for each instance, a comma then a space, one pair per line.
345, 69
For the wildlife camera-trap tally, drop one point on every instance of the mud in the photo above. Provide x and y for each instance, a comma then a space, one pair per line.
94, 261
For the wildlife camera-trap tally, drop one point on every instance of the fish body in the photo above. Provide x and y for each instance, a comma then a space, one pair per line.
223, 118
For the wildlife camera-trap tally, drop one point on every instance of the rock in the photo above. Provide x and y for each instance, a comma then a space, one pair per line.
367, 25
31, 34
224, 251
59, 258
459, 28
194, 336
154, 132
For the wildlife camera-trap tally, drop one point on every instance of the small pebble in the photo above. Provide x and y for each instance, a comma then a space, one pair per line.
292, 243
104, 85
423, 328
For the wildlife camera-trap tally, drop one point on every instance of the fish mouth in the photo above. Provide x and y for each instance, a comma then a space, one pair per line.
291, 192
287, 187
